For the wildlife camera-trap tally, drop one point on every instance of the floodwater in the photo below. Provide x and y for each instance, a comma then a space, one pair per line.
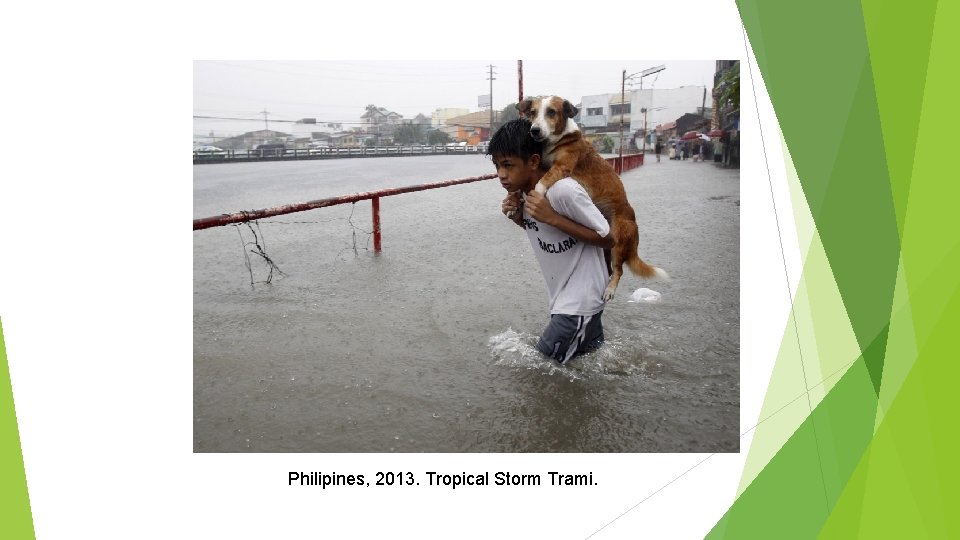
428, 347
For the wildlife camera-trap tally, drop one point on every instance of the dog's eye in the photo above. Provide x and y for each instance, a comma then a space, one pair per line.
551, 113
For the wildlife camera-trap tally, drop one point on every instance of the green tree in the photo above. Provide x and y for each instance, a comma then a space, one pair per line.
606, 145
510, 112
437, 137
408, 134
730, 87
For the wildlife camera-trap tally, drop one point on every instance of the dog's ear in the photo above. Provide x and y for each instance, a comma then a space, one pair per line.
525, 106
569, 110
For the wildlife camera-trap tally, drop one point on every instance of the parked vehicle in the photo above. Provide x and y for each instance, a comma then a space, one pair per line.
208, 150
271, 150
319, 147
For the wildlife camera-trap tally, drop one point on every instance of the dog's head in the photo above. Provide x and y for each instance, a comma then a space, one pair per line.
550, 117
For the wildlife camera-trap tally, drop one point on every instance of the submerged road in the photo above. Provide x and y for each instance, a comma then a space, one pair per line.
428, 346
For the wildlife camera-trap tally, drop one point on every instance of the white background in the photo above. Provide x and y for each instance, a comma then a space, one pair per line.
96, 280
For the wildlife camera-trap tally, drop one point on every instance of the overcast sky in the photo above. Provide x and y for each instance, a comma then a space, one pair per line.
338, 91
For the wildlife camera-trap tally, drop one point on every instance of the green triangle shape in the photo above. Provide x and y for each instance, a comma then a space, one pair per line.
873, 357
793, 496
16, 519
899, 72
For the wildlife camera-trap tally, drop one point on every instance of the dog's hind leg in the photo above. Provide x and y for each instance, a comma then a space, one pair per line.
616, 264
625, 236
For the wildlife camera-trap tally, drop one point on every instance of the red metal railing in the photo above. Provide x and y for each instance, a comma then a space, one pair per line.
374, 196
629, 162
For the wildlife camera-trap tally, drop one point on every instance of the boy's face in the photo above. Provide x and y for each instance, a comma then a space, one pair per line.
516, 174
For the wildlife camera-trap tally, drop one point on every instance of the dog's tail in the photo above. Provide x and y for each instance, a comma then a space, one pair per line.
646, 271
627, 235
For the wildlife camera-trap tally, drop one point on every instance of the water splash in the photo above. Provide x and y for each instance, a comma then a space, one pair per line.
518, 349
614, 359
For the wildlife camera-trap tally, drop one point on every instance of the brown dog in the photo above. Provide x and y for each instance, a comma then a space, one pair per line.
567, 154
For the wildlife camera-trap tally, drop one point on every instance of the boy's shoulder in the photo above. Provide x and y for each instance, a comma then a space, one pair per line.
567, 194
566, 187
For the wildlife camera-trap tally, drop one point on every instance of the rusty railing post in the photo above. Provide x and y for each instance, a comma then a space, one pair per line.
376, 223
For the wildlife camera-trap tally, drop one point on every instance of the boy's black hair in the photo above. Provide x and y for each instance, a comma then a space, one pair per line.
513, 139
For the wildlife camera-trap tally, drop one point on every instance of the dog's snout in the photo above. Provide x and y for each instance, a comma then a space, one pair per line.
535, 130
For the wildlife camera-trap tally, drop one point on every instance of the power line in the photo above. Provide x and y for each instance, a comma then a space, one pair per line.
362, 68
316, 121
416, 76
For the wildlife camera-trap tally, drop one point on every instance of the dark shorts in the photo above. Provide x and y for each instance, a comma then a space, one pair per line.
569, 335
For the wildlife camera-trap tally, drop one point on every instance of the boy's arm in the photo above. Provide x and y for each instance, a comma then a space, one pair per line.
539, 208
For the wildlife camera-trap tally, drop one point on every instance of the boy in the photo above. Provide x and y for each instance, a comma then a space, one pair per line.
568, 235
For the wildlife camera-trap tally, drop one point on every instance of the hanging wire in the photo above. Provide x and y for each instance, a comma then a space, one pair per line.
258, 245
259, 248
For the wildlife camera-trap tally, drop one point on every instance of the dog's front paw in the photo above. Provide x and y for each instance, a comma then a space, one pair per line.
608, 294
541, 189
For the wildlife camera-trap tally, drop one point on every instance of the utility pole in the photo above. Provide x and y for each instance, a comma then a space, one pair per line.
491, 79
644, 151
265, 113
642, 74
623, 84
644, 130
703, 105
520, 80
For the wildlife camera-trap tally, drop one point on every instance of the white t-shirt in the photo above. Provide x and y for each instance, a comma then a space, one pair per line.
574, 271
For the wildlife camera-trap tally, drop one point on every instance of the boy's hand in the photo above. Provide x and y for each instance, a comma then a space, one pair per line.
511, 206
539, 208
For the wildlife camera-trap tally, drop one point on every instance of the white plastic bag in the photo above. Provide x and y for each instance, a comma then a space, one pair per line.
644, 295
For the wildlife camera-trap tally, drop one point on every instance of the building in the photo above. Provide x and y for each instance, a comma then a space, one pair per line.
440, 116
667, 131
307, 130
380, 121
728, 114
472, 127
595, 118
250, 140
692, 122
726, 94
601, 114
344, 140
594, 112
421, 120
